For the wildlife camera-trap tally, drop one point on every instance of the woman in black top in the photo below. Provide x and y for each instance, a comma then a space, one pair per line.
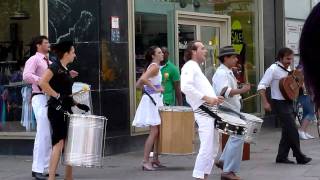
57, 83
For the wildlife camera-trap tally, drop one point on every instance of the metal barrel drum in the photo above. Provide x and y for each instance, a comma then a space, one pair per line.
85, 143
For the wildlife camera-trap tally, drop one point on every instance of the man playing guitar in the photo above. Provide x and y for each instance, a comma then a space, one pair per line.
283, 108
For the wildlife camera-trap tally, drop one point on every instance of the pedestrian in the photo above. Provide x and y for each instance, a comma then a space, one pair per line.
308, 114
283, 108
171, 81
147, 114
34, 68
57, 83
201, 97
225, 84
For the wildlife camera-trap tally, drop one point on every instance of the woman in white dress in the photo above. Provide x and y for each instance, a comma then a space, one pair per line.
147, 114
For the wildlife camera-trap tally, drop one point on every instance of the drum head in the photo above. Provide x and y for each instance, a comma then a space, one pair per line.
251, 117
232, 119
175, 108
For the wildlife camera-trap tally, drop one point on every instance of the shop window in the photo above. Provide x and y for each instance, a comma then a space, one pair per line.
151, 29
19, 22
244, 22
243, 26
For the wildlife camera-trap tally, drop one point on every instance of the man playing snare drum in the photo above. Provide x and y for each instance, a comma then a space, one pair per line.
200, 95
225, 84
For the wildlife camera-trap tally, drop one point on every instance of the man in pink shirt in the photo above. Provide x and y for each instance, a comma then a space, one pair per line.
34, 69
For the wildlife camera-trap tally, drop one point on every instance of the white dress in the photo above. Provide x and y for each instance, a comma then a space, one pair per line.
147, 113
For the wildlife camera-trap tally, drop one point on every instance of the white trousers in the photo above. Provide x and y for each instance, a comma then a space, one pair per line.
42, 143
209, 146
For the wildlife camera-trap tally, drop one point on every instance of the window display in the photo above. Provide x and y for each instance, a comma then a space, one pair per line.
19, 22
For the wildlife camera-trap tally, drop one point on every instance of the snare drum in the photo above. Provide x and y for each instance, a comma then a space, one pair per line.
253, 127
231, 125
176, 130
85, 142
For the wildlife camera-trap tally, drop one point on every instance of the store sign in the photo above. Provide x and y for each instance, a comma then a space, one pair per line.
241, 6
237, 39
237, 36
115, 29
293, 31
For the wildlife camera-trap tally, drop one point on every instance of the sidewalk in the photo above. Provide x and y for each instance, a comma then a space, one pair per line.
127, 166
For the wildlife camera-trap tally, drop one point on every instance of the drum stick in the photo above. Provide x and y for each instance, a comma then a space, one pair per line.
252, 85
252, 96
82, 91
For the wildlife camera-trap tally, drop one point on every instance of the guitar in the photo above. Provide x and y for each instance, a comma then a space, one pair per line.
290, 85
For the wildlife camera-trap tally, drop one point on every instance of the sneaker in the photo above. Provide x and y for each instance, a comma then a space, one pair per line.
302, 135
309, 136
151, 155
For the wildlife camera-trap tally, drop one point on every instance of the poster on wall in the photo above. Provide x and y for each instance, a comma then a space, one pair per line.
293, 30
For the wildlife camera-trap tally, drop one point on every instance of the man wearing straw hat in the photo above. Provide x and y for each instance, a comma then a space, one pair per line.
225, 84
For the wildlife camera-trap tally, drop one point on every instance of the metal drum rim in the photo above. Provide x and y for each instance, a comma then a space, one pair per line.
88, 116
256, 119
171, 109
232, 123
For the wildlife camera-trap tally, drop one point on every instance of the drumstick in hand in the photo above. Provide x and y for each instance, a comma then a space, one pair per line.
84, 89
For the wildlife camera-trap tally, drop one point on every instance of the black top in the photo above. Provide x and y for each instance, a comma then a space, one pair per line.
62, 82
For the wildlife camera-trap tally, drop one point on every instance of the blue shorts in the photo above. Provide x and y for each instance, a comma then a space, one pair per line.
308, 107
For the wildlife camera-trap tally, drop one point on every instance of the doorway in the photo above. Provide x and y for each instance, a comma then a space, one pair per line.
213, 30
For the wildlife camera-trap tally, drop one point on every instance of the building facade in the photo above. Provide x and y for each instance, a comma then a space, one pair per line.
111, 38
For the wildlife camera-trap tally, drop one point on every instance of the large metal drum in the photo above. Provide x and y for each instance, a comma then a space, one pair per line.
85, 142
176, 135
254, 124
230, 124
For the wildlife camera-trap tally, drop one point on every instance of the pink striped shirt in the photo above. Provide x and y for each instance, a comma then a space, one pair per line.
34, 69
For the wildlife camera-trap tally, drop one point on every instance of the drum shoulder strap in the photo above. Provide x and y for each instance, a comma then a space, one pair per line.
151, 98
210, 113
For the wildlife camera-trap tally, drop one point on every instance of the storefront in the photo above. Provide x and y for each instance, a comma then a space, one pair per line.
215, 22
102, 62
111, 38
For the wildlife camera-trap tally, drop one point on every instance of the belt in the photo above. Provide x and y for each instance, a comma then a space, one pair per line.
34, 94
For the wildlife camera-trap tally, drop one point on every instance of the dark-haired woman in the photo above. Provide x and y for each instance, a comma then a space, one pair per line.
147, 114
309, 54
57, 83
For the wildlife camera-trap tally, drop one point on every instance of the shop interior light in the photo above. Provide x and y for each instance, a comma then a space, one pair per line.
19, 14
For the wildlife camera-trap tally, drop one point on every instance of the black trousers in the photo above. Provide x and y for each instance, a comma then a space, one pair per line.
290, 136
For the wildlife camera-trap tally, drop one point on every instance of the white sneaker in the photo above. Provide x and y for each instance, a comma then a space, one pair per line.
302, 135
151, 155
309, 136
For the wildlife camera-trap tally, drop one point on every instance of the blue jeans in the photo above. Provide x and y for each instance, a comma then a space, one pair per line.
232, 154
308, 107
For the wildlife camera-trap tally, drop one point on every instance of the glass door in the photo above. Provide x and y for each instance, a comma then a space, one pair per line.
186, 33
210, 36
213, 31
